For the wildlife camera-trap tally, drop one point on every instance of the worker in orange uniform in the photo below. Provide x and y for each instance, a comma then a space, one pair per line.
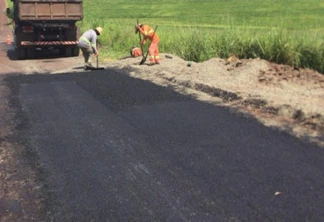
149, 33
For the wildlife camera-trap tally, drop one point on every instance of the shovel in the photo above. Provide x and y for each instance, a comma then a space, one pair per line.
140, 38
144, 58
98, 68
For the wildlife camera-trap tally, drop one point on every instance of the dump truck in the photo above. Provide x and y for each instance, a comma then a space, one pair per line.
46, 24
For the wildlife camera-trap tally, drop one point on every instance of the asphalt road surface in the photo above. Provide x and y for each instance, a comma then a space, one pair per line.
114, 148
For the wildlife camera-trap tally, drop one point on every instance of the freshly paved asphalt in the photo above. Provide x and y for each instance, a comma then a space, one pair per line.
114, 148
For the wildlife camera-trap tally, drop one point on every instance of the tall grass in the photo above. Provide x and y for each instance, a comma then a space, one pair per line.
277, 45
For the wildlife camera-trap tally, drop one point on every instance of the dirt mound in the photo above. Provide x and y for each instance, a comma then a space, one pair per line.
280, 96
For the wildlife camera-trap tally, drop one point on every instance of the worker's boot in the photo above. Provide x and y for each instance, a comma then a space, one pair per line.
152, 62
88, 66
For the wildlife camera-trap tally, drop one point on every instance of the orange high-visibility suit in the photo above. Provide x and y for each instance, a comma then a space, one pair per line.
148, 33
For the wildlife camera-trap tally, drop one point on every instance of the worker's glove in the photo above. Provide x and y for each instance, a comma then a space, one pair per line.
96, 54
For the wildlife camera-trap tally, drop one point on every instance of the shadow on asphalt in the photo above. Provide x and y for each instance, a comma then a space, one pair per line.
113, 88
105, 85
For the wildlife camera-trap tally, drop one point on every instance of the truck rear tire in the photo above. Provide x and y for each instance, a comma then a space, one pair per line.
30, 53
68, 52
75, 51
65, 51
21, 53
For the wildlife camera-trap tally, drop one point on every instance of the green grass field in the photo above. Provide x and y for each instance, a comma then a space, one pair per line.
252, 14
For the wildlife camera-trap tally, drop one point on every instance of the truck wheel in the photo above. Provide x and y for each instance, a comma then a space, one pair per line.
30, 53
68, 52
75, 51
20, 53
61, 51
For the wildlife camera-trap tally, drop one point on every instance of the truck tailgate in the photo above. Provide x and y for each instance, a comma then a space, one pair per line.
50, 10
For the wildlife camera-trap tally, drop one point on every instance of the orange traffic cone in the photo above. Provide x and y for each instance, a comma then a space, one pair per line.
8, 40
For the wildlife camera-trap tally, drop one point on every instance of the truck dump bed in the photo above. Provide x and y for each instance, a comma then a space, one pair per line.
71, 10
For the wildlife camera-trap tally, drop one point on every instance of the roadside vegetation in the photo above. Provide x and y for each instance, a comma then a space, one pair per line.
286, 32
